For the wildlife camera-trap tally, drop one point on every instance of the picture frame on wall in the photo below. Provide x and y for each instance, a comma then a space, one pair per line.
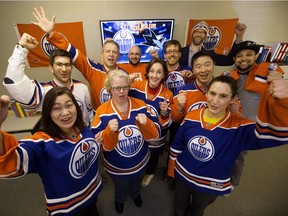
148, 34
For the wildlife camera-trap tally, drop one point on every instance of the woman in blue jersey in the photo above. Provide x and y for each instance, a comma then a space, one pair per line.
210, 139
154, 93
64, 153
125, 126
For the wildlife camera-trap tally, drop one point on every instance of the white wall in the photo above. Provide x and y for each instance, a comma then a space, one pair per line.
266, 21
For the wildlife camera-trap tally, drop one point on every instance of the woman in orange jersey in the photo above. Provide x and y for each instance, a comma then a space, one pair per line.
210, 139
155, 94
125, 126
64, 153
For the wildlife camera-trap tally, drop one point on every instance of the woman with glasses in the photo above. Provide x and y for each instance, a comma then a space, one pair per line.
155, 94
64, 153
124, 125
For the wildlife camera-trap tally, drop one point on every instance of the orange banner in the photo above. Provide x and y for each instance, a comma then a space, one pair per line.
39, 57
220, 36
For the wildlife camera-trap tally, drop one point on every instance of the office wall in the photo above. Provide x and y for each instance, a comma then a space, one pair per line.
266, 21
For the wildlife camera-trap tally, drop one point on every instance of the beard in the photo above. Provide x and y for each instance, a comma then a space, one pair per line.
134, 63
243, 69
197, 41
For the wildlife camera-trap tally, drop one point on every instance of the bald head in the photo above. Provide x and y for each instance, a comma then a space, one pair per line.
134, 55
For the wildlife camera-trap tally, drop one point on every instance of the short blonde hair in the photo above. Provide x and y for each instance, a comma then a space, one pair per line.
111, 75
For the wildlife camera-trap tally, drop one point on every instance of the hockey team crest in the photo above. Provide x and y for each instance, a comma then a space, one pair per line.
174, 80
47, 48
130, 141
197, 105
125, 40
201, 148
104, 95
154, 111
213, 39
83, 157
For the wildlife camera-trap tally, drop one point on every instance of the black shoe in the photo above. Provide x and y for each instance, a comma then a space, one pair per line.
138, 201
119, 207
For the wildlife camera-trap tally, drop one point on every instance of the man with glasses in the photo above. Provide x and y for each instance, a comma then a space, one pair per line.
95, 73
30, 93
199, 33
178, 74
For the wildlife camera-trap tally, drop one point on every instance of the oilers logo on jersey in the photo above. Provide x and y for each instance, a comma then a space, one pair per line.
174, 81
130, 141
104, 95
83, 157
197, 105
153, 111
201, 148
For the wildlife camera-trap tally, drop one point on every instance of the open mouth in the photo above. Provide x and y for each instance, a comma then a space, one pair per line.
66, 120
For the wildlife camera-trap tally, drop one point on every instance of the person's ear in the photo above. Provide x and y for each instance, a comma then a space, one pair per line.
51, 69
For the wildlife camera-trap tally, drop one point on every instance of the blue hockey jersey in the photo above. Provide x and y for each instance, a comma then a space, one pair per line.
68, 168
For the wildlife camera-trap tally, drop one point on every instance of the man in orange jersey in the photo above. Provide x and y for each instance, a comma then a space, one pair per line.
135, 67
252, 80
95, 73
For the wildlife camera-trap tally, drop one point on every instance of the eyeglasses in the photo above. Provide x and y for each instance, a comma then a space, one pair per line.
200, 32
60, 65
118, 88
169, 52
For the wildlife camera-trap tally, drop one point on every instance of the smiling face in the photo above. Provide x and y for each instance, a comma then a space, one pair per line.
134, 55
219, 96
64, 113
172, 54
61, 69
203, 70
245, 60
155, 75
198, 36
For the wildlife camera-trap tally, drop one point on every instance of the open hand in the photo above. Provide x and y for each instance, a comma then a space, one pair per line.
45, 24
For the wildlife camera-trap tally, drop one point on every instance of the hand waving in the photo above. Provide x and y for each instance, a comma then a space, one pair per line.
45, 24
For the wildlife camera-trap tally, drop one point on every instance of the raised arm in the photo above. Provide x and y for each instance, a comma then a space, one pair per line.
239, 30
4, 104
17, 83
42, 21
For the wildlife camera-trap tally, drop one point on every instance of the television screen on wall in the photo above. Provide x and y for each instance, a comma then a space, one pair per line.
146, 33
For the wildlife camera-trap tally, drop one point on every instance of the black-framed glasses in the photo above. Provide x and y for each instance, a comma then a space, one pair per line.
169, 52
60, 64
118, 88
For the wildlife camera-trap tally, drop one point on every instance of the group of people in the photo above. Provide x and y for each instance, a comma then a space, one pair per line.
211, 121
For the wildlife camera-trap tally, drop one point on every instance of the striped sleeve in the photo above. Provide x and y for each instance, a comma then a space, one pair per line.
272, 119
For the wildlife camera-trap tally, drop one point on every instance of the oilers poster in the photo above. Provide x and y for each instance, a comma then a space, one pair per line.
147, 34
39, 57
220, 35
